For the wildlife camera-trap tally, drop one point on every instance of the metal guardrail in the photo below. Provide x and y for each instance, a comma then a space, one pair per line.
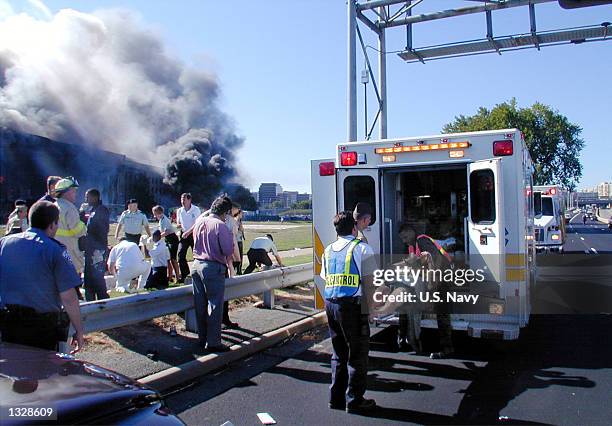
117, 312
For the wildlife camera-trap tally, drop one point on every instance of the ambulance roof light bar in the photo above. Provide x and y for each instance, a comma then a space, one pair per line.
424, 147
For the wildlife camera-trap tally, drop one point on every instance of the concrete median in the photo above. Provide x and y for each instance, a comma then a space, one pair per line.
175, 376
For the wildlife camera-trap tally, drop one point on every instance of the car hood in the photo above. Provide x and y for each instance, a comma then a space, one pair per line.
80, 391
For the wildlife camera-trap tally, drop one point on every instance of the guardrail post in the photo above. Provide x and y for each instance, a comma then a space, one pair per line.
191, 324
268, 299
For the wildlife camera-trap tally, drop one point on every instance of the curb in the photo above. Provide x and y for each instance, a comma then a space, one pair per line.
175, 376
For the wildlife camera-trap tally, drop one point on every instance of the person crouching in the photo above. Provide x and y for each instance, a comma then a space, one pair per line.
126, 262
160, 258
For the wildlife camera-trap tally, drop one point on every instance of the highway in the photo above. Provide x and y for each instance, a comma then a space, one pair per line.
559, 372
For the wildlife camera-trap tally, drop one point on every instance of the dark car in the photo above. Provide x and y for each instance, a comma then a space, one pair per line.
72, 392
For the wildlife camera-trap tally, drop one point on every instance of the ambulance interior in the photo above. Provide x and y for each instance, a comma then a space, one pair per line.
433, 201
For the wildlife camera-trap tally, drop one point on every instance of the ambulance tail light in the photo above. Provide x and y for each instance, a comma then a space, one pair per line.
502, 148
348, 158
327, 169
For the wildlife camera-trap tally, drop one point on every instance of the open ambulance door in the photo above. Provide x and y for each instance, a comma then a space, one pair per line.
323, 181
485, 221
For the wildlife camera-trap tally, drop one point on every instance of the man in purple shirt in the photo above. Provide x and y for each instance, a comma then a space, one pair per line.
213, 246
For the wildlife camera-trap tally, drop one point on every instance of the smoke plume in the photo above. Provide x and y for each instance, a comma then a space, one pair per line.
105, 80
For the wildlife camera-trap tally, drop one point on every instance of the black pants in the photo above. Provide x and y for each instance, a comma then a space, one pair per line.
257, 256
184, 245
133, 238
94, 283
350, 335
158, 278
42, 331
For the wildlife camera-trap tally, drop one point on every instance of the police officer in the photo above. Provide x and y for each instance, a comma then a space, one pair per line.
38, 300
133, 220
346, 269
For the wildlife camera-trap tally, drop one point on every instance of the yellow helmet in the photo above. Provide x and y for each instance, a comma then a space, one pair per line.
65, 184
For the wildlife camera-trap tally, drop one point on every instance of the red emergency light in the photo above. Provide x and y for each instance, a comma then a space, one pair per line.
348, 158
502, 148
327, 169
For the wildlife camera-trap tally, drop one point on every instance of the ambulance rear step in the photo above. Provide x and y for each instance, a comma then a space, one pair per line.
485, 330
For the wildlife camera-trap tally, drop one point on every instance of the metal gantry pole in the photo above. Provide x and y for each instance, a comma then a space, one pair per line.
352, 71
382, 79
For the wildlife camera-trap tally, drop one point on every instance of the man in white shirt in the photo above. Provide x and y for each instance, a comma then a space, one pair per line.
258, 253
185, 219
126, 262
160, 258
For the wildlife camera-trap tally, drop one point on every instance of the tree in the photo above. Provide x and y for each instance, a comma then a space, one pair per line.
554, 143
302, 205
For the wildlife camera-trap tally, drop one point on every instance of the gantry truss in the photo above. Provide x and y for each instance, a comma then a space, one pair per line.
380, 15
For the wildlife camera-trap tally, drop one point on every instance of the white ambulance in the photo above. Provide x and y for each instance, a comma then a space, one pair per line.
474, 189
549, 204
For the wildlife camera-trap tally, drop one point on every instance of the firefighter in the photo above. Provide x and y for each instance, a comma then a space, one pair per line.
347, 269
71, 228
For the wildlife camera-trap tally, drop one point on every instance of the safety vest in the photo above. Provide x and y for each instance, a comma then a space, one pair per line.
417, 251
341, 273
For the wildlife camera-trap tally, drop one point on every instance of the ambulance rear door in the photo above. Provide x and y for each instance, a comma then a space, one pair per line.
485, 222
324, 207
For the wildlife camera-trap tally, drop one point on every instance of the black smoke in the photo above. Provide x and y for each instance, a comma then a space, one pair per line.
105, 80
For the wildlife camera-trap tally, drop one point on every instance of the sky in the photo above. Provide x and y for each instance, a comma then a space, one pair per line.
282, 70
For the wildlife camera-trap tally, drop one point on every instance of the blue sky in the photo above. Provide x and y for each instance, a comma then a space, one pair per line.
282, 67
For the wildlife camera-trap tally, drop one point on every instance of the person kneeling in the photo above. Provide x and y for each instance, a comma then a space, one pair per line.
160, 257
126, 262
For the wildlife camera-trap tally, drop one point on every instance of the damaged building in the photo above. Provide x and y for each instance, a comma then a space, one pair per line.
26, 160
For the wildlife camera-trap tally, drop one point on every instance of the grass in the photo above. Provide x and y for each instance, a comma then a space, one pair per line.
297, 260
299, 235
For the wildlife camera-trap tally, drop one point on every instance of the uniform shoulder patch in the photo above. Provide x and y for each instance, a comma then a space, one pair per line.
66, 255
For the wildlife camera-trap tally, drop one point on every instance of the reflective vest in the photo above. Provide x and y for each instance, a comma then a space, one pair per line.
417, 251
341, 273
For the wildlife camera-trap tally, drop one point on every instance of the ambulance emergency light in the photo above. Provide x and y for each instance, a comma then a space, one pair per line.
419, 148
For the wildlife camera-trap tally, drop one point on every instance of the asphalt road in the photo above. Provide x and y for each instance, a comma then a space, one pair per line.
559, 372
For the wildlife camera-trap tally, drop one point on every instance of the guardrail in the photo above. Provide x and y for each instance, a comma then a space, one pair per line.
126, 310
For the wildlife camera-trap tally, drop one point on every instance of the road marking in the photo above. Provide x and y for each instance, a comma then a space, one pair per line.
593, 250
582, 238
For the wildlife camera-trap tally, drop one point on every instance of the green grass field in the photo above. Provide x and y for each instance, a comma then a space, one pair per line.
298, 235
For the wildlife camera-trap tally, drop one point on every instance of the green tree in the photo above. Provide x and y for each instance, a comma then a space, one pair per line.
554, 142
302, 205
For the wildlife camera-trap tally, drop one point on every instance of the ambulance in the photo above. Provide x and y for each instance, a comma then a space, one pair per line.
549, 204
474, 190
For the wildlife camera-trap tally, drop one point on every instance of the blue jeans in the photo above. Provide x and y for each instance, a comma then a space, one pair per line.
95, 267
208, 291
350, 337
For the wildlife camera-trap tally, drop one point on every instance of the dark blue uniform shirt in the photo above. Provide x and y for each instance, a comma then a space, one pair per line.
34, 270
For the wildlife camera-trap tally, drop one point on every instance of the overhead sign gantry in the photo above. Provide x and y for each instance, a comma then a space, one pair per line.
380, 15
